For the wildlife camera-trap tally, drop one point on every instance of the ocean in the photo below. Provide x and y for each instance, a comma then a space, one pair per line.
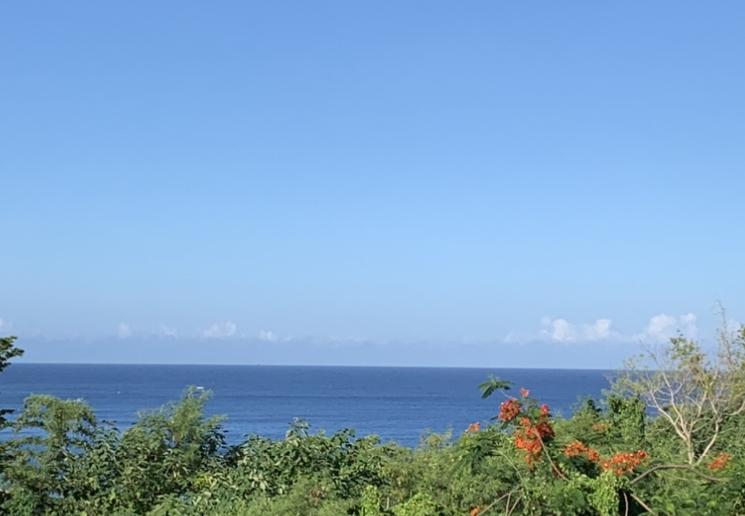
397, 404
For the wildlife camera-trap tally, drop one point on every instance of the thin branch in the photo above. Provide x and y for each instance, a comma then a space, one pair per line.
495, 502
713, 440
640, 502
554, 467
687, 467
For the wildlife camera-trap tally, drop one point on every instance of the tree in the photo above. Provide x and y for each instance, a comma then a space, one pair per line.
55, 433
8, 351
696, 394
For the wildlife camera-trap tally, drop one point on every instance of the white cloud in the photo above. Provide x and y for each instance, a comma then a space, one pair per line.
220, 330
561, 330
662, 327
600, 330
558, 329
123, 331
270, 336
267, 336
167, 331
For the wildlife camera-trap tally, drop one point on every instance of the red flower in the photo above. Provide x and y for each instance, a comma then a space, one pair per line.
531, 437
545, 430
720, 462
528, 441
622, 463
509, 410
524, 392
545, 410
574, 449
473, 428
578, 448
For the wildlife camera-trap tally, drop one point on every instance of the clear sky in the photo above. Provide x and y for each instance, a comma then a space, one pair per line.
415, 183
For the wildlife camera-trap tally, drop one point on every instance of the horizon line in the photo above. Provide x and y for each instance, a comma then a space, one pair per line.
192, 364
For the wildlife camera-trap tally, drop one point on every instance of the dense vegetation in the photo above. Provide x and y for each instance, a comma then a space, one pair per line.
666, 439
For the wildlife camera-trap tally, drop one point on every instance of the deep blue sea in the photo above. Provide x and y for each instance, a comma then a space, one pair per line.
398, 404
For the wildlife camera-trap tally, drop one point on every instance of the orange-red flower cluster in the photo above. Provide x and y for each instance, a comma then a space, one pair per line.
720, 462
533, 429
625, 462
475, 511
473, 428
508, 410
580, 449
531, 436
545, 430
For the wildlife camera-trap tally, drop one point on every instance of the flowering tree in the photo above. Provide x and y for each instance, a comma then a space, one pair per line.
555, 458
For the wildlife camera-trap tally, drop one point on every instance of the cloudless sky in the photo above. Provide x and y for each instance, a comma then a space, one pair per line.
416, 183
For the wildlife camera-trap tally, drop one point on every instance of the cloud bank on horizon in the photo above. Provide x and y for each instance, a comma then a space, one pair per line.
659, 328
220, 330
556, 342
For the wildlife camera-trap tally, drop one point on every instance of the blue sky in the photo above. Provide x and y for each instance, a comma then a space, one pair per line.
421, 183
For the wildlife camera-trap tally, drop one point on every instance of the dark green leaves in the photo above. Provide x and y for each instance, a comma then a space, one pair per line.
8, 351
492, 385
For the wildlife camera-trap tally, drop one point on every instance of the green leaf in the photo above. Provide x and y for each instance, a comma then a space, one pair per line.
492, 385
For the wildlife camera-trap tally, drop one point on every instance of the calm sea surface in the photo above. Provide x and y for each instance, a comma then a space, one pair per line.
398, 404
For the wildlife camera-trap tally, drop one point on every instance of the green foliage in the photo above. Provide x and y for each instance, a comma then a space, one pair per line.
420, 504
58, 432
370, 503
604, 497
492, 385
8, 351
617, 457
627, 420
